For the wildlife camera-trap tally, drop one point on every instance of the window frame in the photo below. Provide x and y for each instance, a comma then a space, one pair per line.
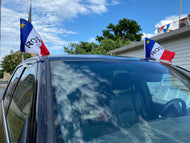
14, 91
32, 113
3, 110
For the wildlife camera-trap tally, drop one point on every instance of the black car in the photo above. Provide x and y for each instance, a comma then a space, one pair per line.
96, 99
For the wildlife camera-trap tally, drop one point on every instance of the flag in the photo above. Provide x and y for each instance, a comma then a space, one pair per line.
165, 28
31, 41
155, 51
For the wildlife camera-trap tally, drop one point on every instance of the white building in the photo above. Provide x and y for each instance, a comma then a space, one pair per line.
177, 41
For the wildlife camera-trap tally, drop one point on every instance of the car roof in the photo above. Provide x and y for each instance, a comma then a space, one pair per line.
83, 57
90, 58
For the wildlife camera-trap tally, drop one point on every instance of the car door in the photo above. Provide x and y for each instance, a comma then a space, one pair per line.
17, 104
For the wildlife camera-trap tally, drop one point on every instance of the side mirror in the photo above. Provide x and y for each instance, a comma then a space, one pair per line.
2, 93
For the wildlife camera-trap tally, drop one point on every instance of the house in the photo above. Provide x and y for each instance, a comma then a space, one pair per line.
177, 41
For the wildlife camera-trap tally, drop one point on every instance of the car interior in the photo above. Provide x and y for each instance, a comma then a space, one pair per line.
126, 97
131, 103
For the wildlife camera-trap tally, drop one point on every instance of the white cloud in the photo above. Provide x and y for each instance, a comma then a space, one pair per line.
60, 9
98, 8
114, 2
169, 20
10, 37
92, 39
65, 9
10, 32
97, 2
172, 20
149, 35
47, 17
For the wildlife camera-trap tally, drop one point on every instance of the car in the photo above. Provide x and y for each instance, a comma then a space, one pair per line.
95, 99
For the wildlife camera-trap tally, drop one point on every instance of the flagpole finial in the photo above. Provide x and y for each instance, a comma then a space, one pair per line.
30, 13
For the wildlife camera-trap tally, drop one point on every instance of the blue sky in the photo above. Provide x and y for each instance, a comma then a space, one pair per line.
62, 21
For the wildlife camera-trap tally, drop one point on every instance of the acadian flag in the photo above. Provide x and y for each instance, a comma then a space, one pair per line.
155, 51
31, 41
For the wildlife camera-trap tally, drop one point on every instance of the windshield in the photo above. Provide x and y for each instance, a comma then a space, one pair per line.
119, 101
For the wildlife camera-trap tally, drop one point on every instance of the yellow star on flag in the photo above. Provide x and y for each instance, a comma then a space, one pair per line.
22, 25
147, 41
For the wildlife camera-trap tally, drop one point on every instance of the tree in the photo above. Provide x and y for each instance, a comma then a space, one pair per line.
10, 62
81, 48
109, 44
91, 48
1, 74
126, 29
115, 36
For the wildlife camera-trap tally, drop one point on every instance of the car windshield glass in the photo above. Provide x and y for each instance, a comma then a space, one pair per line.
119, 101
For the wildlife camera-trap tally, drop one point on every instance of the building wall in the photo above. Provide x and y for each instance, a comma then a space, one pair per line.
6, 77
180, 45
135, 52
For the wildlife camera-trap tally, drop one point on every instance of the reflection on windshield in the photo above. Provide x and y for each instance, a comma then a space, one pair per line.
171, 86
118, 102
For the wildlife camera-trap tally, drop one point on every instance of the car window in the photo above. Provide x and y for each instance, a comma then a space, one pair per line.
11, 87
20, 106
171, 86
119, 101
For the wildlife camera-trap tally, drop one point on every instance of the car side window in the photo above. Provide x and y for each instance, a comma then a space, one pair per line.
11, 87
20, 106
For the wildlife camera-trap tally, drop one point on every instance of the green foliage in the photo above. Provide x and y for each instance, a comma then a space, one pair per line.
91, 48
81, 48
10, 62
126, 29
115, 36
109, 44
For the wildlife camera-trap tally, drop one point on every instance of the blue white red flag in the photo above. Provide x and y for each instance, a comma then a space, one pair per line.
31, 41
155, 51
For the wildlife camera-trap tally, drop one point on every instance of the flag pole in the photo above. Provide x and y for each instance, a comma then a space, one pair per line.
30, 13
180, 12
29, 20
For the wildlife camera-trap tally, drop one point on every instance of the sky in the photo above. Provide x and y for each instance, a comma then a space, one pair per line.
60, 22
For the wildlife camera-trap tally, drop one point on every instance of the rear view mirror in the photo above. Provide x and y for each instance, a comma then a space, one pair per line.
2, 93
